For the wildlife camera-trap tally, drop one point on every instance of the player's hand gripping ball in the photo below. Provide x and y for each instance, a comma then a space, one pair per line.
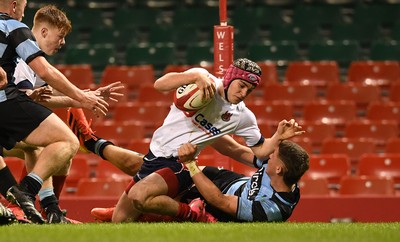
189, 98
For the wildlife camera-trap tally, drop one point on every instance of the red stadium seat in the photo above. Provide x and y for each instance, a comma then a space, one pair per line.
16, 165
222, 162
242, 168
317, 132
394, 92
149, 115
148, 94
119, 133
386, 165
316, 73
379, 131
305, 143
271, 112
365, 186
94, 187
329, 166
336, 113
379, 73
360, 93
269, 73
353, 148
80, 74
131, 76
298, 94
106, 170
309, 186
139, 145
384, 111
79, 169
393, 145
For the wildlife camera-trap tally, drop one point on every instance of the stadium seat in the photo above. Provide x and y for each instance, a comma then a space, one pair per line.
81, 75
271, 112
280, 52
365, 186
337, 113
377, 130
353, 148
199, 54
161, 35
379, 14
242, 168
148, 94
312, 187
317, 133
154, 55
148, 115
315, 73
220, 161
379, 73
80, 169
305, 143
363, 34
386, 165
131, 76
106, 170
98, 56
385, 50
393, 145
343, 52
394, 92
300, 33
360, 93
15, 165
142, 17
256, 16
139, 145
296, 93
269, 73
119, 132
120, 37
195, 17
95, 187
329, 166
384, 111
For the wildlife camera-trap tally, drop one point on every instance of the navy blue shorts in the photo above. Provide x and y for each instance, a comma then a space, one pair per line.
152, 164
20, 116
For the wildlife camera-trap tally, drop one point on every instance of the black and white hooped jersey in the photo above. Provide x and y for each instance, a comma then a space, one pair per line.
216, 119
258, 201
16, 40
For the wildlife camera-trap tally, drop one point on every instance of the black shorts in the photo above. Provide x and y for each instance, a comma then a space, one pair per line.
20, 116
152, 164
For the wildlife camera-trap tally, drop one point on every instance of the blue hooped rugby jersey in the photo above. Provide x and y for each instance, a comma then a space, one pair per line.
258, 201
218, 118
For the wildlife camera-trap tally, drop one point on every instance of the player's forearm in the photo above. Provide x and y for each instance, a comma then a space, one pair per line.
173, 80
208, 190
61, 102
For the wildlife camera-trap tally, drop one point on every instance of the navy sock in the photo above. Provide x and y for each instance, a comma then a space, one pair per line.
97, 146
7, 180
30, 186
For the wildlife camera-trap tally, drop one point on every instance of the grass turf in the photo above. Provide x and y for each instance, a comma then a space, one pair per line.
176, 232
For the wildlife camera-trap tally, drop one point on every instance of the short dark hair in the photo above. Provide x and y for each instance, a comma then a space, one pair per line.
296, 160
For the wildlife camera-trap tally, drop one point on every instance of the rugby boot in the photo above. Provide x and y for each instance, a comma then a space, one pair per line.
79, 125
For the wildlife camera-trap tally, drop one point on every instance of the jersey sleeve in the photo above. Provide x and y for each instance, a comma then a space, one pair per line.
24, 42
252, 211
248, 128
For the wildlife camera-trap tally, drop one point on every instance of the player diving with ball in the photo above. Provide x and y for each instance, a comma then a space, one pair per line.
162, 177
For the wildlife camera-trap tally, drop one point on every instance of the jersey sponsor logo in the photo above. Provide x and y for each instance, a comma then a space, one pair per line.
226, 116
255, 184
203, 123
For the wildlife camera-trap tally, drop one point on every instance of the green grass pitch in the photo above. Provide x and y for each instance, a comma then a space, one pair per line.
191, 232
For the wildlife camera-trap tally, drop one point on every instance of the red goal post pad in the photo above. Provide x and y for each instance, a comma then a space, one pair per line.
223, 48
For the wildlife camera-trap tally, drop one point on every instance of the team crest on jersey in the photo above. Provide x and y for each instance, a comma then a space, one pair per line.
226, 116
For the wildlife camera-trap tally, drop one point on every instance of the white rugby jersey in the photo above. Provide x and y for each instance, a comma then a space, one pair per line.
218, 118
25, 77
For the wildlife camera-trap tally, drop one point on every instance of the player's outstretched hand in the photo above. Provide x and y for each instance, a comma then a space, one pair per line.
110, 92
288, 129
96, 104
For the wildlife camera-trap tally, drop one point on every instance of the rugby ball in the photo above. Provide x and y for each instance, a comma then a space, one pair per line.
189, 98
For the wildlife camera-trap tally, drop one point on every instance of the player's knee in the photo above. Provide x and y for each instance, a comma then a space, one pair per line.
138, 200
